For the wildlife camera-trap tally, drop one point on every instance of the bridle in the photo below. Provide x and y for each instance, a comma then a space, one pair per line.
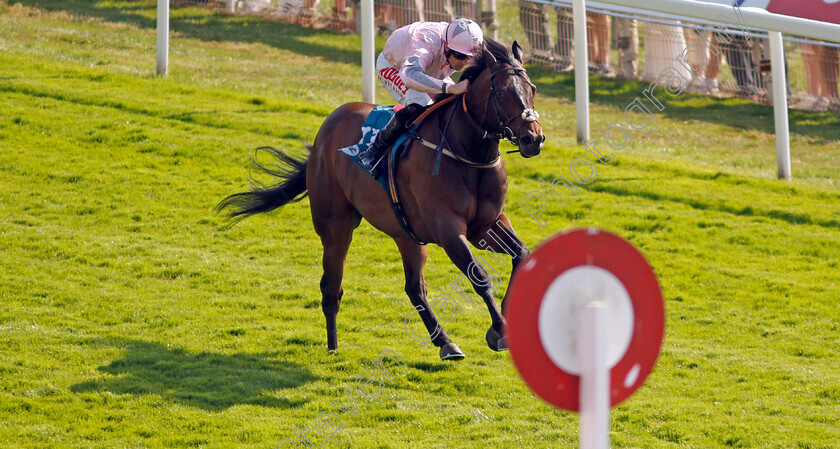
527, 115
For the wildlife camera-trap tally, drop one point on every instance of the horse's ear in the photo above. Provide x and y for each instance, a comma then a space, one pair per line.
487, 57
517, 51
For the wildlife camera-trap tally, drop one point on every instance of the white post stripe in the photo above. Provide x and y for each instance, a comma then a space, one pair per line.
368, 69
581, 71
163, 37
594, 378
780, 106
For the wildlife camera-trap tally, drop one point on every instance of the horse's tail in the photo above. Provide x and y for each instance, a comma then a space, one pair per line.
262, 198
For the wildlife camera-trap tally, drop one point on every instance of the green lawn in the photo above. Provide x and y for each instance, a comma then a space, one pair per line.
131, 317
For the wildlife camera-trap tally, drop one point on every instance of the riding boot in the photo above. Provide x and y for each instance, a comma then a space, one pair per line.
389, 135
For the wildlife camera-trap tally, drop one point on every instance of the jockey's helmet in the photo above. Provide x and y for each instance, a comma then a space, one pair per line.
464, 36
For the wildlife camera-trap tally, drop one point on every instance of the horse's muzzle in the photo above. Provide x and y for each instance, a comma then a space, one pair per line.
530, 144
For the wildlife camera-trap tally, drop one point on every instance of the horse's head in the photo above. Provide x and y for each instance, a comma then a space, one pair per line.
501, 83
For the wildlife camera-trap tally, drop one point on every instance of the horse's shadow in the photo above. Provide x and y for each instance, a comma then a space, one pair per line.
207, 380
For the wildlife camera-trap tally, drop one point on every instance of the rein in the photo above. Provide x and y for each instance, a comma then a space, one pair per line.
447, 153
440, 147
431, 109
527, 115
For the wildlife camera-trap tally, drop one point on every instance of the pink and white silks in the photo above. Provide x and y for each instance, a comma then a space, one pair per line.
412, 67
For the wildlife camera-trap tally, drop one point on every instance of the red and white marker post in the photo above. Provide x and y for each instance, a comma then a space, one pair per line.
585, 325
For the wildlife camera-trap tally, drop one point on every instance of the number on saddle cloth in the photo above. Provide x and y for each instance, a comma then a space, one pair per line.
375, 121
373, 125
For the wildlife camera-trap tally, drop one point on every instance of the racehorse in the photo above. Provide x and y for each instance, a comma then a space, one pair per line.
461, 204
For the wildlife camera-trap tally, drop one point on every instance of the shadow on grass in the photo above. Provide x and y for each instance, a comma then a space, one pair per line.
824, 127
432, 367
209, 381
206, 24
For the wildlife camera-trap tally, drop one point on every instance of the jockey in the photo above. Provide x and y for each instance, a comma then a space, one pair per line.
415, 65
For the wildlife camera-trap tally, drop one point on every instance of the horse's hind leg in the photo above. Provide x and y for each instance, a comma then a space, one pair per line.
414, 259
334, 223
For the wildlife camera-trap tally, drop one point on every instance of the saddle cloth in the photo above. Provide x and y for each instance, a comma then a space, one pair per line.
376, 120
386, 174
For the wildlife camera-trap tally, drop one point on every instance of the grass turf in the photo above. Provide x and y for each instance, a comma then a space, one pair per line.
131, 317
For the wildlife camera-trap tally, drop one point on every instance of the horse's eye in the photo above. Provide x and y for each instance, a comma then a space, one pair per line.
500, 93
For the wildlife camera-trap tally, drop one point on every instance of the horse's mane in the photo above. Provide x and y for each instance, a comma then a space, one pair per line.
499, 51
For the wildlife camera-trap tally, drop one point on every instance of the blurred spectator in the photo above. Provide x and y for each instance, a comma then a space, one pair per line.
663, 45
535, 22
565, 38
388, 17
738, 51
435, 10
444, 10
341, 18
306, 14
706, 43
628, 47
598, 35
463, 8
821, 72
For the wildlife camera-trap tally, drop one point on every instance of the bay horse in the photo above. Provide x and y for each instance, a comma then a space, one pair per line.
462, 204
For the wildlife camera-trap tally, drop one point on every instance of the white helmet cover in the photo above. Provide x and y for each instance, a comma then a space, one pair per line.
464, 36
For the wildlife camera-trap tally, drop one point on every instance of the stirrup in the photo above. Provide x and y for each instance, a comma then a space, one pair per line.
370, 157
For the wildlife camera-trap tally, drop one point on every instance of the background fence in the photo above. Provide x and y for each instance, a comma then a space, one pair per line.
622, 42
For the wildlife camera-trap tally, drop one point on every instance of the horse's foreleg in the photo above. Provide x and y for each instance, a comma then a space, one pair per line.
414, 259
458, 250
500, 238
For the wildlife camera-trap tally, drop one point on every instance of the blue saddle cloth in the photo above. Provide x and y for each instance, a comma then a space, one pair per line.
386, 173
375, 121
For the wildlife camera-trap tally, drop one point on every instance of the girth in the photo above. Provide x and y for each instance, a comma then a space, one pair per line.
394, 193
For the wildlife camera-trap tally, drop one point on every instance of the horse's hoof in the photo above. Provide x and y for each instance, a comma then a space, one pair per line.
451, 351
495, 341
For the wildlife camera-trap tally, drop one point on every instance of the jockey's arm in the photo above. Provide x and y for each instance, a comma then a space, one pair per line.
413, 73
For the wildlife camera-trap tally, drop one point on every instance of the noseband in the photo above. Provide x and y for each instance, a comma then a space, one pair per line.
527, 115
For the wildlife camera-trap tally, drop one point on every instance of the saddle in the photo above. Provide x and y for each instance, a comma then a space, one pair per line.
386, 175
